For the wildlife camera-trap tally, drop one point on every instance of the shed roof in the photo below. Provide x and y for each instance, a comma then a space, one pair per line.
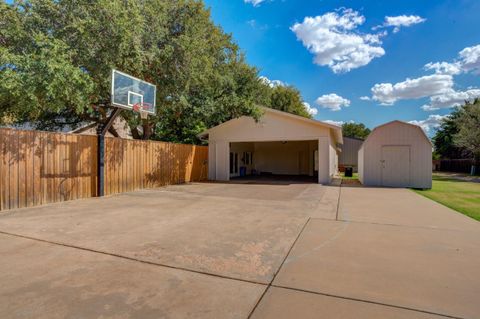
393, 122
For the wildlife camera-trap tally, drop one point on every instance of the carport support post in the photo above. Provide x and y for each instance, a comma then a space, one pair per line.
222, 150
323, 160
101, 131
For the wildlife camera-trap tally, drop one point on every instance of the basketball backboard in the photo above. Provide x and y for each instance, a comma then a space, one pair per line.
131, 93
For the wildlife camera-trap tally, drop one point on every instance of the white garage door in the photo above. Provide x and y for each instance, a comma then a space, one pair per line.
396, 166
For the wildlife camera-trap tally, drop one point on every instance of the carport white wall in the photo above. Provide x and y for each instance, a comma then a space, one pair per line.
222, 169
273, 126
333, 157
212, 163
324, 174
396, 133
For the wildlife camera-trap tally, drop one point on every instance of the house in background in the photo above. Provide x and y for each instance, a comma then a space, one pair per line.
349, 155
119, 128
396, 154
279, 143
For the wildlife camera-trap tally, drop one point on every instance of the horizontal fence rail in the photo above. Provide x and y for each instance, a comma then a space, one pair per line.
38, 168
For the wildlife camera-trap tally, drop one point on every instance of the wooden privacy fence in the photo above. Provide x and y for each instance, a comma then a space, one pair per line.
454, 165
38, 168
134, 164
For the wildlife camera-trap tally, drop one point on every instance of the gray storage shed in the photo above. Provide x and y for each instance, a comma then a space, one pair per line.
396, 154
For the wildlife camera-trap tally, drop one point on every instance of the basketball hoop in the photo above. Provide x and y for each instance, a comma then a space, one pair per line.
134, 94
140, 108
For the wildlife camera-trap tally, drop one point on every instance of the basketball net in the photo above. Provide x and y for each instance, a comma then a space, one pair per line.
138, 107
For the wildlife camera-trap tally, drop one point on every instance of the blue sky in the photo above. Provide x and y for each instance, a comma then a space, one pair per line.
336, 52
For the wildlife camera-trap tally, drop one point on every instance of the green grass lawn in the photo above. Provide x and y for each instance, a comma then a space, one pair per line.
461, 196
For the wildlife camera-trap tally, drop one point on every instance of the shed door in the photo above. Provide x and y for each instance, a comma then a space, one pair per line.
396, 166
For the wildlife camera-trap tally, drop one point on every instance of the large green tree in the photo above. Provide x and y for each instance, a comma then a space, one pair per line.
355, 130
444, 139
468, 135
56, 58
286, 99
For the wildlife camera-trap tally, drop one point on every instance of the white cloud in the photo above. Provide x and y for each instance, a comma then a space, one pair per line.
439, 87
431, 123
337, 123
470, 59
255, 3
311, 110
450, 99
444, 67
332, 101
365, 98
436, 84
271, 83
400, 21
255, 25
334, 40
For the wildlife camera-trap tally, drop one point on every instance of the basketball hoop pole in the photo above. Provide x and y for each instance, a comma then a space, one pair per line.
101, 131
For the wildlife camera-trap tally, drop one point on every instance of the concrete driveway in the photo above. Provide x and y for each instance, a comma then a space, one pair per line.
238, 251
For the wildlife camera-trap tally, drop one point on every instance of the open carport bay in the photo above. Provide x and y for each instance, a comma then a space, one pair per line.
294, 158
234, 250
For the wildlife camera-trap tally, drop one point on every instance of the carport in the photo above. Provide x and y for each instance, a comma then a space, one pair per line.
278, 144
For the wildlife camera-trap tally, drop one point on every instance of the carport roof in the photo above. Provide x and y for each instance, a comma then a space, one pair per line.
337, 130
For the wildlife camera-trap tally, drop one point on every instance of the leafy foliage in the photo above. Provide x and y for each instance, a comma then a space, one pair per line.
355, 130
468, 135
37, 73
443, 141
56, 58
287, 99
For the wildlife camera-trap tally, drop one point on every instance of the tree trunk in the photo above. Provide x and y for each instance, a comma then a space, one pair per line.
147, 130
135, 133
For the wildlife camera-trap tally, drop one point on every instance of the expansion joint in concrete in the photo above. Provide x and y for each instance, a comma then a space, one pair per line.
132, 259
279, 268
